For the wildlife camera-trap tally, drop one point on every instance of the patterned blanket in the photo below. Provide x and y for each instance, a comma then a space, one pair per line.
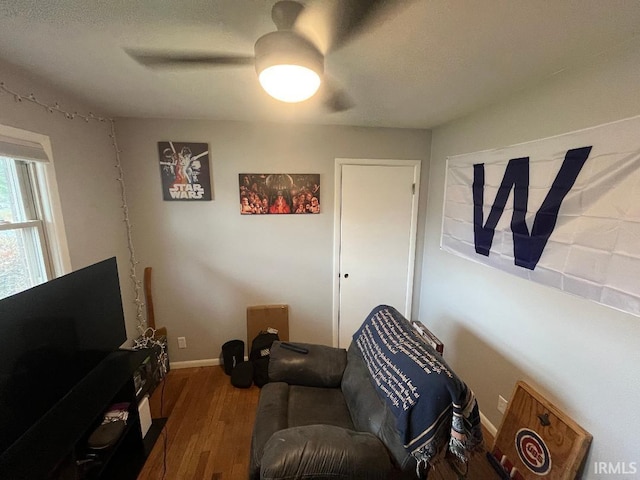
432, 405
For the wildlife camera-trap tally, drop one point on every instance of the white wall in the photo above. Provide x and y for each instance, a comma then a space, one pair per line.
497, 328
84, 163
209, 262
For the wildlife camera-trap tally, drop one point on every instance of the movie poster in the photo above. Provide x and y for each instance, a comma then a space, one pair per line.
184, 168
281, 193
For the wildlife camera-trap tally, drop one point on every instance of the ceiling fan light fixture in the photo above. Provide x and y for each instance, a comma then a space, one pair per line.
289, 83
289, 67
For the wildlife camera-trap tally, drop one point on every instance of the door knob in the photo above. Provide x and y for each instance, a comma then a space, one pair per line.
346, 275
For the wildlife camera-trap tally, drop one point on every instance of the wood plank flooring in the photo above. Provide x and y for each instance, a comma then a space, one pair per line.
208, 432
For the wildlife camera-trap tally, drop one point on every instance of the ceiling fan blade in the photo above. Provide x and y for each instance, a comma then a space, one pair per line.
334, 97
349, 18
170, 59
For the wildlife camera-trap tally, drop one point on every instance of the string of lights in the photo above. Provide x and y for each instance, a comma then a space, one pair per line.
147, 338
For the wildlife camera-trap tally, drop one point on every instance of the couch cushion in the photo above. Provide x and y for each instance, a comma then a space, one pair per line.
271, 416
321, 366
312, 405
324, 452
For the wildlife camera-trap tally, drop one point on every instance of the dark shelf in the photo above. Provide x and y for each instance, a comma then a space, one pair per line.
129, 465
152, 435
60, 435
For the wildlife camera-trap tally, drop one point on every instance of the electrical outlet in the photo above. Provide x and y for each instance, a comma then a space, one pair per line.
182, 342
502, 404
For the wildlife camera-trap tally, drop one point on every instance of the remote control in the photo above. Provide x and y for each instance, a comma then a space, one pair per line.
294, 348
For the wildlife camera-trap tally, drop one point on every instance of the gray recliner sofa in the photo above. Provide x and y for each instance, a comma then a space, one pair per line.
389, 407
320, 417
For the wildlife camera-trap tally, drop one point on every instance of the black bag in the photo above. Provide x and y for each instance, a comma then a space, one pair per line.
242, 375
259, 356
232, 354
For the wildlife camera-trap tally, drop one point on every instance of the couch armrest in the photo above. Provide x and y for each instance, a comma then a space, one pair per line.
324, 451
322, 367
271, 416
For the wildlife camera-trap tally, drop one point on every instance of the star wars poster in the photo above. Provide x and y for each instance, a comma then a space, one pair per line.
281, 193
184, 168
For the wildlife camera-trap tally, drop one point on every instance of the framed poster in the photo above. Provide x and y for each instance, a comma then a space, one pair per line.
184, 171
279, 193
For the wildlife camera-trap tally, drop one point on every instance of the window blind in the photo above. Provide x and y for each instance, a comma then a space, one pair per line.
22, 150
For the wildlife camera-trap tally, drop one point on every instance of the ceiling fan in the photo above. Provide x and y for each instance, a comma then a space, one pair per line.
290, 66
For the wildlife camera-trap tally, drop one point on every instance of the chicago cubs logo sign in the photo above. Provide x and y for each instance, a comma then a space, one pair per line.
533, 451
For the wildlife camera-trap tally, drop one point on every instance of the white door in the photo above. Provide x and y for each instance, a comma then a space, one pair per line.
377, 210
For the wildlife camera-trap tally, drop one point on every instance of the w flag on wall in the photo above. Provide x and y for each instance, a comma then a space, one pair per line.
562, 211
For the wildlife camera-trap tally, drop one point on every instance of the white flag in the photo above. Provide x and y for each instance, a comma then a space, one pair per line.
562, 211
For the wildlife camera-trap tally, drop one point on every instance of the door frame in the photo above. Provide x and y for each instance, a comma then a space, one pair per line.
337, 217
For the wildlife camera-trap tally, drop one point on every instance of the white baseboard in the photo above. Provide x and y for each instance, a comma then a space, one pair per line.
207, 362
488, 425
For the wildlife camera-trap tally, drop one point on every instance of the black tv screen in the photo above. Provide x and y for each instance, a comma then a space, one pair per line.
51, 336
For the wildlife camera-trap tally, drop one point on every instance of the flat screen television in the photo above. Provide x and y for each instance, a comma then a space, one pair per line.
52, 336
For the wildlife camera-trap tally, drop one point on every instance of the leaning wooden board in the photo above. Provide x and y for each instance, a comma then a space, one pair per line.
537, 440
151, 319
261, 317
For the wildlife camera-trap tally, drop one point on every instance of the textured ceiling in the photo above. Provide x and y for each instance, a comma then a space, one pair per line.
418, 65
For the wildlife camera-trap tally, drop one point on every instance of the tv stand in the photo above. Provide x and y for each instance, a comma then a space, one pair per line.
56, 447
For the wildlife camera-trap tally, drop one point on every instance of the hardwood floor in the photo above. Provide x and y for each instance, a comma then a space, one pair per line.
208, 432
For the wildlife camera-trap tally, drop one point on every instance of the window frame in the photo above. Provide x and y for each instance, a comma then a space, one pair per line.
46, 202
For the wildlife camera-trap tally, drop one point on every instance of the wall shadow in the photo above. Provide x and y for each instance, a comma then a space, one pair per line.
483, 367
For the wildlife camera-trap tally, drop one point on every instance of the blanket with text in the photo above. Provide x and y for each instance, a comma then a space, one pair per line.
433, 407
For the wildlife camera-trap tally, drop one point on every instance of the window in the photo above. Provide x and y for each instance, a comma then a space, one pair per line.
32, 242
24, 260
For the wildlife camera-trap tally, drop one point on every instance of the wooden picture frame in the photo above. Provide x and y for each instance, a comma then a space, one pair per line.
537, 440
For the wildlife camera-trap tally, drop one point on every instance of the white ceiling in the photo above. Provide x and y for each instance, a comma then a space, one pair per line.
420, 65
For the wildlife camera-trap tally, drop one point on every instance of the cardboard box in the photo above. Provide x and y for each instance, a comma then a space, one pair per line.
262, 317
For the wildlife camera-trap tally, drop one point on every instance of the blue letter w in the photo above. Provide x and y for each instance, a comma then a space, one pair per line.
527, 248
